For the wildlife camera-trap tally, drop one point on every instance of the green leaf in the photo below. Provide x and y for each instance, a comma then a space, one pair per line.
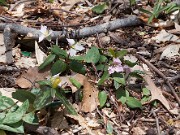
16, 127
23, 95
102, 96
31, 118
145, 99
102, 67
47, 61
146, 92
92, 55
79, 57
133, 102
3, 2
26, 54
13, 117
44, 82
6, 103
112, 52
129, 63
102, 59
2, 116
75, 83
77, 67
135, 74
42, 99
121, 54
99, 9
122, 95
109, 128
119, 80
132, 2
103, 78
65, 102
59, 52
58, 67
145, 11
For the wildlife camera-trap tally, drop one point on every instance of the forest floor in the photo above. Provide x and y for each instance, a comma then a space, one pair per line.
142, 99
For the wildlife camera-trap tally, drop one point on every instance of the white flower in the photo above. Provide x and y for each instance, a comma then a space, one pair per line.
46, 34
74, 47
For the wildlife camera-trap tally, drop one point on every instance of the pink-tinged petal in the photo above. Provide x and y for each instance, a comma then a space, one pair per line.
119, 69
111, 70
71, 41
41, 38
127, 69
78, 47
43, 29
72, 52
117, 61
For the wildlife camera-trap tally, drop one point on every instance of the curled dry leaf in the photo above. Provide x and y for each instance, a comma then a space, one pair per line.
156, 94
171, 51
90, 93
27, 79
164, 36
40, 55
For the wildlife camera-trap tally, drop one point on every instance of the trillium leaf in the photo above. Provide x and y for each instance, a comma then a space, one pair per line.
78, 67
58, 67
26, 95
59, 52
47, 61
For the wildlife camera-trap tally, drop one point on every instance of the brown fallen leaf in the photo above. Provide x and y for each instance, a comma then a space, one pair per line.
82, 122
156, 94
90, 93
27, 79
58, 121
68, 5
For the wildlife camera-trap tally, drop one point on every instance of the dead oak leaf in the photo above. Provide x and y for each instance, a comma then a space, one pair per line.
156, 94
90, 93
27, 79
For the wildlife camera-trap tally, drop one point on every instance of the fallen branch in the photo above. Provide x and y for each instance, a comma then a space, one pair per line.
84, 32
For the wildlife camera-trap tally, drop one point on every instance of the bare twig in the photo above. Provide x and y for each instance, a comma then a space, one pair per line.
87, 31
157, 122
160, 74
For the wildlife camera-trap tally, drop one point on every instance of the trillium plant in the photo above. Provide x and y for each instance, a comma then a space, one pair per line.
45, 33
75, 47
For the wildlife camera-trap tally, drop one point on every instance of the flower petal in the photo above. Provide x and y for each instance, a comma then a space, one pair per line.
111, 70
72, 52
43, 29
78, 47
71, 41
117, 61
41, 38
118, 69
